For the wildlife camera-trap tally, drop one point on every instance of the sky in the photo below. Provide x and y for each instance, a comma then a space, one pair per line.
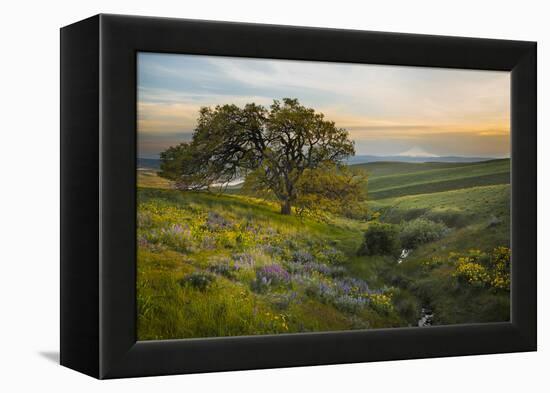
387, 110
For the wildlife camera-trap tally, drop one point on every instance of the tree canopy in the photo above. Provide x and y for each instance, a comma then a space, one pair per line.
275, 147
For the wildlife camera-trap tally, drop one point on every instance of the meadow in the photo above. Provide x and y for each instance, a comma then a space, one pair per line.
399, 179
226, 264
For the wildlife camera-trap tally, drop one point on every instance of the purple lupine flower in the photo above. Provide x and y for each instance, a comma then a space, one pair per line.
272, 274
325, 290
344, 287
301, 256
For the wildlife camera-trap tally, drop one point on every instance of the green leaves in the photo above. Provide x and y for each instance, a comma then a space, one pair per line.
276, 147
331, 188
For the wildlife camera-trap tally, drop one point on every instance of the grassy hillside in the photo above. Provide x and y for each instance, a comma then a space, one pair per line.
221, 265
392, 179
457, 208
384, 168
478, 219
226, 264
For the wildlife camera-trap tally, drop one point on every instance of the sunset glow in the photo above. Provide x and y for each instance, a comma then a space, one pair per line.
387, 110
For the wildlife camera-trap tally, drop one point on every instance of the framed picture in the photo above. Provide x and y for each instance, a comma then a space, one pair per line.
239, 196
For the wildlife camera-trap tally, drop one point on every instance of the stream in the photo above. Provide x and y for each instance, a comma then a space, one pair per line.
426, 315
404, 254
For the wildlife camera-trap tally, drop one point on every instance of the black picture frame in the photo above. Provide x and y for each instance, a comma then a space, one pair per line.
98, 196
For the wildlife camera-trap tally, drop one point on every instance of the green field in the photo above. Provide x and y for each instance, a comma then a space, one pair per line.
226, 264
391, 179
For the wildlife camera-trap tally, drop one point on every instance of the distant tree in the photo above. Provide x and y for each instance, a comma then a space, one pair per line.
276, 147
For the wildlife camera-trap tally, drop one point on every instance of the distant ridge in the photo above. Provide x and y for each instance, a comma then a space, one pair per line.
148, 163
417, 152
362, 159
154, 163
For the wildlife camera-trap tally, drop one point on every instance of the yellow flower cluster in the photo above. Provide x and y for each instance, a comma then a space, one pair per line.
473, 272
381, 301
501, 282
480, 269
500, 259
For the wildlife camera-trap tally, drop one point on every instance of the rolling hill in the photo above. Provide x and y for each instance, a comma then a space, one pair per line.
393, 179
231, 239
154, 163
362, 159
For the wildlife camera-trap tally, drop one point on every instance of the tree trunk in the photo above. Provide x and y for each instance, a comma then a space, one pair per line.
286, 207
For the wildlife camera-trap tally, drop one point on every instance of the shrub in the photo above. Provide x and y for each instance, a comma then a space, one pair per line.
332, 189
198, 280
472, 272
331, 256
380, 239
419, 231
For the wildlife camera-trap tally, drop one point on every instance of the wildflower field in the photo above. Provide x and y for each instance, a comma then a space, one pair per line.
212, 264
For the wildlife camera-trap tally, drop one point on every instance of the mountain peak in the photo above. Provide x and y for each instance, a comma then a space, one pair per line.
417, 152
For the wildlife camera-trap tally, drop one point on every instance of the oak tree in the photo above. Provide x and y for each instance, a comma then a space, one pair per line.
274, 146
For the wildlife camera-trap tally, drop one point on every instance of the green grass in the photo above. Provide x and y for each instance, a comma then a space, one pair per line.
180, 233
455, 207
397, 179
474, 201
385, 168
185, 233
479, 218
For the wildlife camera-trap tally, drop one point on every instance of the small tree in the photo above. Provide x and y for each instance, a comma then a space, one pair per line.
276, 146
332, 188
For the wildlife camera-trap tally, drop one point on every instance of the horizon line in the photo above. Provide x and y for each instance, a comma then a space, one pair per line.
383, 155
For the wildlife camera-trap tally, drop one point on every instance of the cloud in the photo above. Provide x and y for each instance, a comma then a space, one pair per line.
385, 106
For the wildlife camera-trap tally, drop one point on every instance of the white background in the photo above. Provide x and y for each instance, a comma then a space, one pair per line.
29, 194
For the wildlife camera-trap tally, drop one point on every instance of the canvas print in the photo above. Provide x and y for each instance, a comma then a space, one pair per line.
281, 196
